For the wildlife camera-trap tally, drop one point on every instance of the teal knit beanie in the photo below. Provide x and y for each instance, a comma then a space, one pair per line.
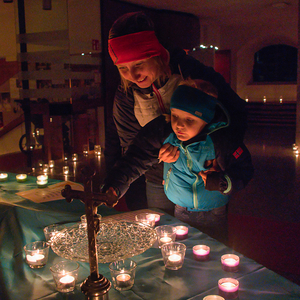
195, 102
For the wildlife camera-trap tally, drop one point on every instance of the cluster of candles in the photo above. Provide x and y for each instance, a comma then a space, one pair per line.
19, 177
36, 256
174, 252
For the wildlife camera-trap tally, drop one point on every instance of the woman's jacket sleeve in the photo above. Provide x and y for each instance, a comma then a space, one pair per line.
140, 156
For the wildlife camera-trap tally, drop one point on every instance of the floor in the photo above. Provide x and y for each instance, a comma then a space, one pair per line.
264, 218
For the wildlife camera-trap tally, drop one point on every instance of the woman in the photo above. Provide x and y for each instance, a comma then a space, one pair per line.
149, 75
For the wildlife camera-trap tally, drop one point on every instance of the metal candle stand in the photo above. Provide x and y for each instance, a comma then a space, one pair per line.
96, 286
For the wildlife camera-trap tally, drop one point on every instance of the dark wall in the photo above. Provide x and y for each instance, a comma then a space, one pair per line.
173, 29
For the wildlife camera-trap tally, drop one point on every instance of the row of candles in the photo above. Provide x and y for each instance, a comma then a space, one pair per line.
173, 253
123, 272
265, 99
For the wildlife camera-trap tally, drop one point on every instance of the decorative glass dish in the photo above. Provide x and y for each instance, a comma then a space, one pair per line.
116, 240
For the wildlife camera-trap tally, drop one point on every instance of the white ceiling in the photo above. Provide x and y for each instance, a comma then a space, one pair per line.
231, 12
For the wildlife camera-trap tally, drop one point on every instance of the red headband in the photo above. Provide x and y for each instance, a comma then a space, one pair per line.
136, 46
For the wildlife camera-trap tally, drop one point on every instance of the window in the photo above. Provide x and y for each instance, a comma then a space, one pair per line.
275, 63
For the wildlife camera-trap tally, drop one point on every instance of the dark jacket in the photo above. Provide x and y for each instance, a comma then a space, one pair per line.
233, 158
124, 127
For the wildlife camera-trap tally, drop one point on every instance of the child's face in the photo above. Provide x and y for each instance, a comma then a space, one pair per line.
141, 72
185, 125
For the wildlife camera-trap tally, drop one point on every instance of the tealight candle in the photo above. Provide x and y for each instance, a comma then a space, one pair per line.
66, 170
21, 177
74, 157
124, 281
51, 163
201, 252
3, 176
36, 254
213, 297
173, 255
228, 288
181, 232
164, 240
65, 274
123, 274
97, 149
230, 262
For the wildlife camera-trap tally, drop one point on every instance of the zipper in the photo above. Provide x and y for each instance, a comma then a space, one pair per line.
168, 178
190, 166
159, 98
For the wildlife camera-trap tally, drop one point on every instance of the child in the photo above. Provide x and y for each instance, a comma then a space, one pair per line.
209, 167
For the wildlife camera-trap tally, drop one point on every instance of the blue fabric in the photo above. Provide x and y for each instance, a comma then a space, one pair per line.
195, 280
183, 185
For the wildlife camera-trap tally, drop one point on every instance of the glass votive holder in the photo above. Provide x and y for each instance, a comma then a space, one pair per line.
86, 149
213, 297
21, 177
97, 150
165, 234
156, 218
65, 275
146, 218
42, 181
45, 168
173, 255
123, 274
83, 220
51, 163
51, 230
181, 232
3, 176
201, 252
230, 262
36, 254
74, 157
66, 170
228, 288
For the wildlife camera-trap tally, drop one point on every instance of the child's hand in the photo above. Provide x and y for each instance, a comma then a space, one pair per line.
213, 167
168, 153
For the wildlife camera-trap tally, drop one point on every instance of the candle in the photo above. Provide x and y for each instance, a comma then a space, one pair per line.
51, 163
35, 258
174, 258
173, 255
124, 281
156, 218
21, 177
74, 157
228, 288
67, 279
66, 170
201, 252
97, 149
3, 176
181, 232
164, 240
36, 254
213, 297
230, 262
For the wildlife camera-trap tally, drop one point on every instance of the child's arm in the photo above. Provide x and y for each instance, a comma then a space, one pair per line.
236, 170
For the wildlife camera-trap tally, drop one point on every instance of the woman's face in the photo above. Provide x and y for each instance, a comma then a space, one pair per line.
141, 72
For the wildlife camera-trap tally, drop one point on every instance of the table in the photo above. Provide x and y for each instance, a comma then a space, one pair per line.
22, 221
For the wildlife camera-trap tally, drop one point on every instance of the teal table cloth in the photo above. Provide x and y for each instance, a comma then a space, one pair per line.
22, 222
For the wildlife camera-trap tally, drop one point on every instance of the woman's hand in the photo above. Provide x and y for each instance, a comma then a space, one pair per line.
213, 167
168, 153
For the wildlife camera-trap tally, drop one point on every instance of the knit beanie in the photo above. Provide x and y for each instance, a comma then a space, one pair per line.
195, 102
